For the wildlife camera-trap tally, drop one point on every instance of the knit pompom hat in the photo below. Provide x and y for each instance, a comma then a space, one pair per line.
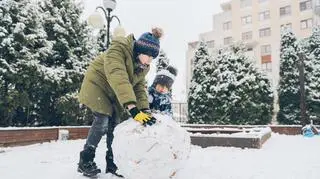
148, 43
166, 76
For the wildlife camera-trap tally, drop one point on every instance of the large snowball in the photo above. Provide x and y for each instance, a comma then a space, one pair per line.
152, 152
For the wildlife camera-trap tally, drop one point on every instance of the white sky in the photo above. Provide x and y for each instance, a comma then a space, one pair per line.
181, 20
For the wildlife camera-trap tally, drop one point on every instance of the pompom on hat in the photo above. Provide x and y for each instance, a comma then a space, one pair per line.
149, 43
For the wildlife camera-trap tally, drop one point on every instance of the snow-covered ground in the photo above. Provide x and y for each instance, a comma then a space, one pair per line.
282, 157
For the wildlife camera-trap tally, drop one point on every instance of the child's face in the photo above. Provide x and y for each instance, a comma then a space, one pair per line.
162, 89
145, 59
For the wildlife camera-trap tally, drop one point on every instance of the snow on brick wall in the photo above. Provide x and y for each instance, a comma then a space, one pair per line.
22, 136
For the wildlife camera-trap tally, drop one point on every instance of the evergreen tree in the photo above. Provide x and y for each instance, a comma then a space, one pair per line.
239, 92
198, 93
162, 61
22, 45
71, 49
102, 35
314, 86
289, 93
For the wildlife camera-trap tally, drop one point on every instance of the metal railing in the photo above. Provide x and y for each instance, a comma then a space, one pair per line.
180, 112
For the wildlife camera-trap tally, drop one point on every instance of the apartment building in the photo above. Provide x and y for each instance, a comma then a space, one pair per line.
258, 24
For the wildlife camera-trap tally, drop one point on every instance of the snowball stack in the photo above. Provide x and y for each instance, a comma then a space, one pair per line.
152, 152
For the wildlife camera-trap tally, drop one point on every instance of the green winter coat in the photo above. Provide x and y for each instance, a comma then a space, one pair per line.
111, 81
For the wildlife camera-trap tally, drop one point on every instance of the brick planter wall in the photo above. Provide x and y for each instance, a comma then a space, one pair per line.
281, 129
77, 133
25, 136
295, 130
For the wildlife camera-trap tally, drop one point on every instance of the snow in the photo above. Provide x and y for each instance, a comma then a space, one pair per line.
281, 157
243, 133
162, 148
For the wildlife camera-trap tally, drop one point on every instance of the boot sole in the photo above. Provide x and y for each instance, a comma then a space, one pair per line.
115, 174
91, 175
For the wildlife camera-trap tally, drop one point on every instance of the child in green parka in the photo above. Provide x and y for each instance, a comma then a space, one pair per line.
113, 84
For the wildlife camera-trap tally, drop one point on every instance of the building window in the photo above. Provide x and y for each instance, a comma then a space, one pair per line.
227, 40
285, 11
227, 25
266, 58
267, 66
264, 15
265, 32
265, 50
245, 3
306, 24
246, 20
305, 5
262, 1
247, 35
286, 26
210, 43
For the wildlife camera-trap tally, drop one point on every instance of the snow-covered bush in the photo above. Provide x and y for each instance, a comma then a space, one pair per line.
292, 49
229, 90
22, 43
198, 97
314, 76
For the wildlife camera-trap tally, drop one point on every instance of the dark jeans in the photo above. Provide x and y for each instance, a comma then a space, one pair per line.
102, 125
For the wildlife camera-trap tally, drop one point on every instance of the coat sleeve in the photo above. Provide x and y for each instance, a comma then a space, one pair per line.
117, 75
169, 106
141, 95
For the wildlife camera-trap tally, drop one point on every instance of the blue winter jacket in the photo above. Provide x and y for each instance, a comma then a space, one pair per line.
159, 102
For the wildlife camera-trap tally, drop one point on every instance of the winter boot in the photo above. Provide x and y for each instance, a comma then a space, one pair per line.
111, 166
86, 164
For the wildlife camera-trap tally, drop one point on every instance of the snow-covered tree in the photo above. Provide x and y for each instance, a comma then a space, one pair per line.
229, 89
70, 50
101, 40
314, 86
288, 90
199, 89
22, 45
239, 92
162, 61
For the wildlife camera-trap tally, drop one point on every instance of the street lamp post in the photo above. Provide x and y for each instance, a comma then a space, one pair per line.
303, 107
97, 22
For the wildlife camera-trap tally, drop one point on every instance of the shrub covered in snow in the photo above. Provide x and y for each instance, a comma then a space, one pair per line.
45, 49
314, 77
198, 97
292, 50
229, 89
22, 44
289, 97
152, 152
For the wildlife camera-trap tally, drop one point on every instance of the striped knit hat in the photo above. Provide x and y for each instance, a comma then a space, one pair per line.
149, 43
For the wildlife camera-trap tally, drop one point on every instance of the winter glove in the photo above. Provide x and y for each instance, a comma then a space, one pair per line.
147, 111
142, 117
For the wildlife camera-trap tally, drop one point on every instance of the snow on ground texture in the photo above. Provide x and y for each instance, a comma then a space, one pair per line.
281, 157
